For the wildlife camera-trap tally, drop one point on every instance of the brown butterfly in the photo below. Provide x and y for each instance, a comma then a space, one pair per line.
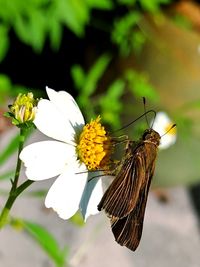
125, 199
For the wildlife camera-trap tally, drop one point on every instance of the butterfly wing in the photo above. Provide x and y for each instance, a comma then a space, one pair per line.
128, 230
121, 196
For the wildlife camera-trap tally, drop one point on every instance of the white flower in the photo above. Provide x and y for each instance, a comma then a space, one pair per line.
77, 148
162, 124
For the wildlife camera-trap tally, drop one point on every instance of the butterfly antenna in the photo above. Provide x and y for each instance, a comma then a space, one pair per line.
153, 120
144, 114
145, 111
174, 125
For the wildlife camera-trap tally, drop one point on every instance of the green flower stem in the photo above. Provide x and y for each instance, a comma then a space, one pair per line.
18, 167
14, 191
11, 199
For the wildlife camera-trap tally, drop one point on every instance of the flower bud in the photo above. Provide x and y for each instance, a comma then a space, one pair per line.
23, 109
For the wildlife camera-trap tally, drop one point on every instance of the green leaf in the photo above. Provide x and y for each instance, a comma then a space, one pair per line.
5, 84
4, 43
87, 83
153, 5
81, 11
138, 40
95, 74
124, 30
113, 95
111, 113
31, 28
140, 86
124, 25
9, 149
21, 29
37, 30
183, 21
116, 90
100, 4
78, 76
45, 239
55, 34
127, 2
72, 17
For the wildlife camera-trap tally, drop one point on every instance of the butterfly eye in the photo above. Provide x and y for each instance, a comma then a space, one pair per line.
146, 134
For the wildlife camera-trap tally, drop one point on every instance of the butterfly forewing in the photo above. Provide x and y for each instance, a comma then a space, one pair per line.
125, 187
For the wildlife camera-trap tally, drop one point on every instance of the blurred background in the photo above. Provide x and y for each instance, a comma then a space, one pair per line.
102, 52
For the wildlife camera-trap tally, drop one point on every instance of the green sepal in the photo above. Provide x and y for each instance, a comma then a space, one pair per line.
25, 125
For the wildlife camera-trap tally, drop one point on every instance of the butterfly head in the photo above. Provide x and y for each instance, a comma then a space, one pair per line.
151, 136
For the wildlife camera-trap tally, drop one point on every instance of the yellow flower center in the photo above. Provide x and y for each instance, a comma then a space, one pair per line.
94, 146
171, 131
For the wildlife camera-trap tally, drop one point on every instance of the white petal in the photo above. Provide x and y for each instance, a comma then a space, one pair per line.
91, 197
46, 159
65, 194
161, 122
67, 105
167, 141
50, 121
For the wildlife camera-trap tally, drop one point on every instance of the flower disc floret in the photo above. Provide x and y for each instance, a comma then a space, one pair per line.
94, 146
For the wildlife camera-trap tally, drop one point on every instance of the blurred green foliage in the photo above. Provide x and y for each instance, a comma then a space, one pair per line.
140, 85
11, 147
35, 20
124, 34
38, 21
87, 83
153, 5
182, 21
109, 104
7, 175
9, 89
